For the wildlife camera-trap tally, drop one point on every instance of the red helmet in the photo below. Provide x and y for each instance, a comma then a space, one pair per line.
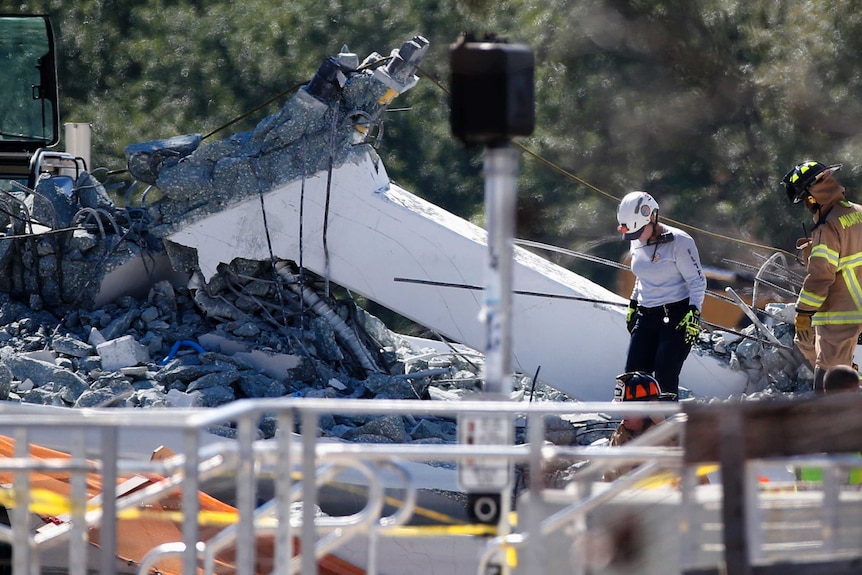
640, 386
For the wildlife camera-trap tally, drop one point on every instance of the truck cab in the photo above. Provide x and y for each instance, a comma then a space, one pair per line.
29, 110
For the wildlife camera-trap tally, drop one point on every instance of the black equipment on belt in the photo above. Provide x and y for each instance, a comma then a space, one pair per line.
665, 238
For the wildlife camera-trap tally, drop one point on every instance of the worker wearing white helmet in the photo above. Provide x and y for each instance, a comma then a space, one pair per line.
663, 317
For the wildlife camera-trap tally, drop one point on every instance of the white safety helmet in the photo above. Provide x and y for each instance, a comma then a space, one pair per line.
634, 213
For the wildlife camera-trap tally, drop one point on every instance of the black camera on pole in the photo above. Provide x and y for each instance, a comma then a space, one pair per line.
492, 102
492, 94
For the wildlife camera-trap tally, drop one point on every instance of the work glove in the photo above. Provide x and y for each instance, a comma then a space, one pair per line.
690, 324
631, 315
802, 323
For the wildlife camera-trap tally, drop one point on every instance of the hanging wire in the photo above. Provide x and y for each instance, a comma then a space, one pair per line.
329, 170
301, 232
590, 186
272, 260
278, 96
670, 220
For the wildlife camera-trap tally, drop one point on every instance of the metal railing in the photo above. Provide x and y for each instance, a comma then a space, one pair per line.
297, 468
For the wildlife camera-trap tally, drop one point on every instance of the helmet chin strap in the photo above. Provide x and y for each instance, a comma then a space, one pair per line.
817, 210
812, 204
656, 228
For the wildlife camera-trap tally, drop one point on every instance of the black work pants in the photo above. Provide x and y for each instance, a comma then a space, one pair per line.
657, 347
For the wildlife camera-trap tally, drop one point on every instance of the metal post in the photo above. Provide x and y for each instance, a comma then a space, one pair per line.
190, 499
21, 558
110, 474
308, 562
501, 172
78, 511
283, 488
246, 496
492, 101
733, 466
78, 137
533, 512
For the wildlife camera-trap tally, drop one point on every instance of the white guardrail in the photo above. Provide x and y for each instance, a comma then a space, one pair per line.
159, 521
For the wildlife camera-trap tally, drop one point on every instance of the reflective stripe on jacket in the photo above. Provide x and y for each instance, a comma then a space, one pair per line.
833, 284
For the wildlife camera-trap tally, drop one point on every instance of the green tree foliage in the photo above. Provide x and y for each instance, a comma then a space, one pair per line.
705, 103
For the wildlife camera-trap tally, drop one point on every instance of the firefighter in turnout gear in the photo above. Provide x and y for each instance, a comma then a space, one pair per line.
829, 308
663, 317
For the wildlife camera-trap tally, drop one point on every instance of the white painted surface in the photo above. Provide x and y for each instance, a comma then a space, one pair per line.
377, 232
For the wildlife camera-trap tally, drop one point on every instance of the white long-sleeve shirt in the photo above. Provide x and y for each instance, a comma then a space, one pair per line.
668, 271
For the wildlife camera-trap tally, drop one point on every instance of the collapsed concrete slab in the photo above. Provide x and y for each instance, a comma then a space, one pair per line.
307, 186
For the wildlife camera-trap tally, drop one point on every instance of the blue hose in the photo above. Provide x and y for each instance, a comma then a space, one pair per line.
183, 342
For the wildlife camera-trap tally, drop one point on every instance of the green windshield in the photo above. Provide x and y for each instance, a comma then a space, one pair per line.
28, 86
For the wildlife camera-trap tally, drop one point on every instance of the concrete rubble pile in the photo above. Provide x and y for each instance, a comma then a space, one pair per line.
205, 347
182, 347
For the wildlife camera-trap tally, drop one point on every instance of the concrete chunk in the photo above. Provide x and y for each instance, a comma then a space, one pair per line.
122, 352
